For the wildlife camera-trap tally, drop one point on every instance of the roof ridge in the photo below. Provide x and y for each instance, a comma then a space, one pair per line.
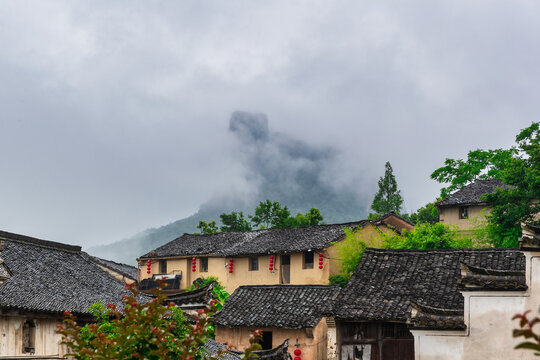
277, 229
39, 242
282, 286
439, 250
117, 263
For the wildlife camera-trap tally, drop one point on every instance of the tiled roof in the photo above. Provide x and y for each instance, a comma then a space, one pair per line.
470, 194
387, 282
213, 347
278, 353
53, 277
128, 271
282, 306
195, 299
269, 241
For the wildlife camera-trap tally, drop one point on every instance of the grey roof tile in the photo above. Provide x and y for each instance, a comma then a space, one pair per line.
282, 306
386, 281
470, 194
53, 277
270, 241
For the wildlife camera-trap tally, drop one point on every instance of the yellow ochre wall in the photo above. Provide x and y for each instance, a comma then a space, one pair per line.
450, 216
241, 275
312, 348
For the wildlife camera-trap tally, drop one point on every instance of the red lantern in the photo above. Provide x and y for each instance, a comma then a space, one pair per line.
148, 272
297, 352
297, 358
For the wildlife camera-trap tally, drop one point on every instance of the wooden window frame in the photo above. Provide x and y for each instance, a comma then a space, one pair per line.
163, 266
253, 260
305, 264
203, 264
462, 210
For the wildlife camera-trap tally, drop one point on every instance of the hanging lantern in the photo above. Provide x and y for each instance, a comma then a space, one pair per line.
271, 264
297, 352
320, 260
231, 265
194, 264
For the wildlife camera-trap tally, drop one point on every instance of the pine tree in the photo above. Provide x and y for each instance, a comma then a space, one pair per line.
388, 198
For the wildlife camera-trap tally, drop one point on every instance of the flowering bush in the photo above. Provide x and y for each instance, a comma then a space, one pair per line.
141, 330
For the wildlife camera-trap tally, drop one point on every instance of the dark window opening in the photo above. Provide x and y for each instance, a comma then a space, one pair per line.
204, 264
463, 212
375, 341
162, 266
266, 342
308, 260
29, 337
285, 269
253, 263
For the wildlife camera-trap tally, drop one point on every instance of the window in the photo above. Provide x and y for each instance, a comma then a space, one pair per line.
383, 341
253, 263
29, 337
266, 342
308, 260
463, 212
163, 266
204, 264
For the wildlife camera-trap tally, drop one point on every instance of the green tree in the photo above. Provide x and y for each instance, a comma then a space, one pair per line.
270, 214
518, 167
388, 197
480, 164
427, 214
234, 221
427, 237
208, 227
350, 251
311, 218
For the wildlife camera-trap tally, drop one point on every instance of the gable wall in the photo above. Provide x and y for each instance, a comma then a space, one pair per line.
488, 316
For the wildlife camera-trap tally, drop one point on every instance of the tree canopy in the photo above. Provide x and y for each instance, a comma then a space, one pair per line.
388, 197
268, 214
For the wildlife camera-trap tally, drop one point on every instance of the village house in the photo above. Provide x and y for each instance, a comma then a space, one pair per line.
262, 257
297, 313
41, 280
438, 304
465, 208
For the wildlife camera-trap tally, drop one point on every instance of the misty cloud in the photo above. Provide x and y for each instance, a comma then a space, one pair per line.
296, 173
114, 115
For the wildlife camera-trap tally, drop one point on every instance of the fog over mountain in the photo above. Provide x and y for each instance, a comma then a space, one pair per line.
275, 166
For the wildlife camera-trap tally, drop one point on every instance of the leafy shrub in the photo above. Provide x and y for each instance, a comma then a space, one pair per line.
339, 279
142, 330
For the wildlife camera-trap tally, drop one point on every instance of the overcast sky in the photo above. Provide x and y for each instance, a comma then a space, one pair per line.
114, 115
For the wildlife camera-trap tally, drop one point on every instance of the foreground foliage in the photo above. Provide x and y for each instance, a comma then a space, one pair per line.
526, 331
141, 330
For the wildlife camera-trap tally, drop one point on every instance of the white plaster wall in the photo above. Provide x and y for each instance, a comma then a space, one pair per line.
488, 316
47, 341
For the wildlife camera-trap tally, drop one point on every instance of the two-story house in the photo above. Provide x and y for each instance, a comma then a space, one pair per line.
298, 256
465, 208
